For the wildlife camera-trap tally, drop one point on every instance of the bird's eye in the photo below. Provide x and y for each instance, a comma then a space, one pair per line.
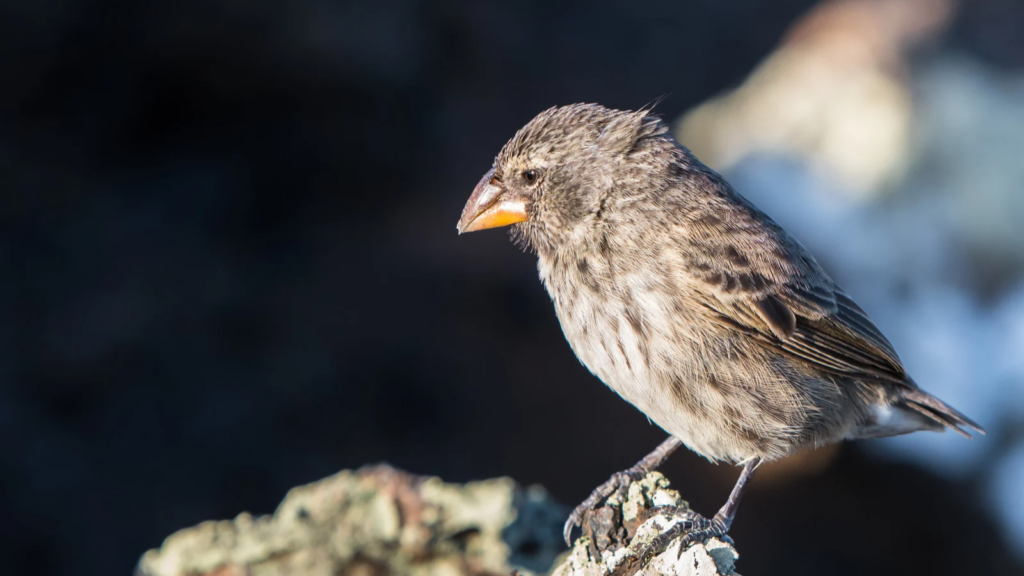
530, 176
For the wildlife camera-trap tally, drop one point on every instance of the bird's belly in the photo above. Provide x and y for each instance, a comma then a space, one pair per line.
647, 370
709, 433
723, 402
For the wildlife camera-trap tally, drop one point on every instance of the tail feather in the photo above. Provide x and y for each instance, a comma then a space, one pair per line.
940, 412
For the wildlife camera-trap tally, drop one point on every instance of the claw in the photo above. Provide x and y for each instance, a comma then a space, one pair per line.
618, 483
571, 523
693, 528
711, 529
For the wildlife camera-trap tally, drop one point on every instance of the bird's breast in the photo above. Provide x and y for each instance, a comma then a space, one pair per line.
629, 326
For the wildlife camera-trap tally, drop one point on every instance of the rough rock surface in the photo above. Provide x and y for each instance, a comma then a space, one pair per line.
379, 521
622, 530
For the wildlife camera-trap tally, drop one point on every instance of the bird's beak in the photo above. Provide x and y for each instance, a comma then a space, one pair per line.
488, 208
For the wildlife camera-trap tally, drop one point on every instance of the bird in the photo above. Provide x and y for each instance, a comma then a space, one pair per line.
691, 303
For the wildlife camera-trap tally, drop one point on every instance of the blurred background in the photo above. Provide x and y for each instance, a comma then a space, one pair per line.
227, 238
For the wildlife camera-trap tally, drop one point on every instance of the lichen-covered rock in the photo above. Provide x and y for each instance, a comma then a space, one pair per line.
374, 522
711, 558
379, 521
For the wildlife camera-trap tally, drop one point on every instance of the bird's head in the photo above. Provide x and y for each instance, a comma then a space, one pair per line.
554, 177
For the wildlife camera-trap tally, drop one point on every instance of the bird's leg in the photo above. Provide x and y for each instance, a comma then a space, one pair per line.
695, 527
619, 482
728, 511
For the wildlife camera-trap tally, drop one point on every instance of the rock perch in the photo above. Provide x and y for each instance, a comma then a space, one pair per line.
379, 521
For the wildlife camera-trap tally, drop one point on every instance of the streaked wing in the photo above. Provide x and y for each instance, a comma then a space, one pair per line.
847, 342
758, 279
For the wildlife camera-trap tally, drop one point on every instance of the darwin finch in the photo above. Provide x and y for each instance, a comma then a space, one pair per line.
691, 303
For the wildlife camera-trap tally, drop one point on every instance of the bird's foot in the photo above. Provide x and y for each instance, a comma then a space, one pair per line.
617, 484
690, 527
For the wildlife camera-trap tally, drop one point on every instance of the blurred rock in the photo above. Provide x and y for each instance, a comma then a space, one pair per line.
381, 521
373, 522
833, 94
969, 126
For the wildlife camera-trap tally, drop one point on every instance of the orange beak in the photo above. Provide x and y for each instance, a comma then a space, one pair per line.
486, 208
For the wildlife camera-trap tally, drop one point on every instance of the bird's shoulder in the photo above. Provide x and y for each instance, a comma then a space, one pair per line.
735, 252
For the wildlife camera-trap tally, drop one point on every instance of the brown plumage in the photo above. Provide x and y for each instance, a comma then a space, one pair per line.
691, 303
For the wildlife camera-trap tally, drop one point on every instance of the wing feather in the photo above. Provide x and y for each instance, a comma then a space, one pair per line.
760, 280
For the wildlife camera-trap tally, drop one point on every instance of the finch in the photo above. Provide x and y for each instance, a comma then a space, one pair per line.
690, 303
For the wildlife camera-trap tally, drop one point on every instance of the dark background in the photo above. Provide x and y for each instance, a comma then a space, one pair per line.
227, 238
